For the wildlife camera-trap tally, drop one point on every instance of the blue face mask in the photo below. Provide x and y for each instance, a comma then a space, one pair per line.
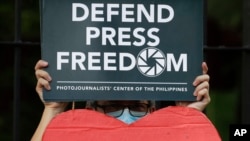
126, 117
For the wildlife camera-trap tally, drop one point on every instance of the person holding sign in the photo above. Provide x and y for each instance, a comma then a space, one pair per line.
128, 110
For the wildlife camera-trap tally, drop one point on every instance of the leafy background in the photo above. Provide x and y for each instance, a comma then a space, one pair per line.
223, 29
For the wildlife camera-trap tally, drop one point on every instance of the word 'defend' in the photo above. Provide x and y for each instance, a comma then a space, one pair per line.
128, 12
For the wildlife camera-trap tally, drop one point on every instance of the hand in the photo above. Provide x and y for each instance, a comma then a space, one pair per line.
51, 108
43, 80
201, 91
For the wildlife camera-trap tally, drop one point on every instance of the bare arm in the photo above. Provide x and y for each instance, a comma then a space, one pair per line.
51, 109
47, 116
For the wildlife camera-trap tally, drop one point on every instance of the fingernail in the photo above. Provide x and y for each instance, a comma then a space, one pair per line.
49, 78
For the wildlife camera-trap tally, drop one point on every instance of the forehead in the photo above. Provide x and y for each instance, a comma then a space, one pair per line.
125, 102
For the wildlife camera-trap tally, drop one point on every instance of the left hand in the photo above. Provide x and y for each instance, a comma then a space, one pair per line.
201, 91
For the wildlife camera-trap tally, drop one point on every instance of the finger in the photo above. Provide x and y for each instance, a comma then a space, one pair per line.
42, 83
43, 74
200, 79
203, 95
204, 85
41, 64
204, 68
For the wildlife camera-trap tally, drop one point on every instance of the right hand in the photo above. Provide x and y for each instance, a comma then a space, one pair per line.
43, 80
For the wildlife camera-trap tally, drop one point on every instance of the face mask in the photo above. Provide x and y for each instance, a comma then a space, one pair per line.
125, 117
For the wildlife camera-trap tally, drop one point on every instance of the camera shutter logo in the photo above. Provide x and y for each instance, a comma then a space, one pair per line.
151, 62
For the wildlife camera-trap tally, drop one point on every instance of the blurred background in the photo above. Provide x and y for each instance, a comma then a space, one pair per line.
225, 53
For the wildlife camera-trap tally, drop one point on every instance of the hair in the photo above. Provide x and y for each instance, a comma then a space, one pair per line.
152, 103
92, 102
89, 104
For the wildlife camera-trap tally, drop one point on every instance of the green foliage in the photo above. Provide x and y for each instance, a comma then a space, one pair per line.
31, 22
227, 13
223, 110
7, 21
